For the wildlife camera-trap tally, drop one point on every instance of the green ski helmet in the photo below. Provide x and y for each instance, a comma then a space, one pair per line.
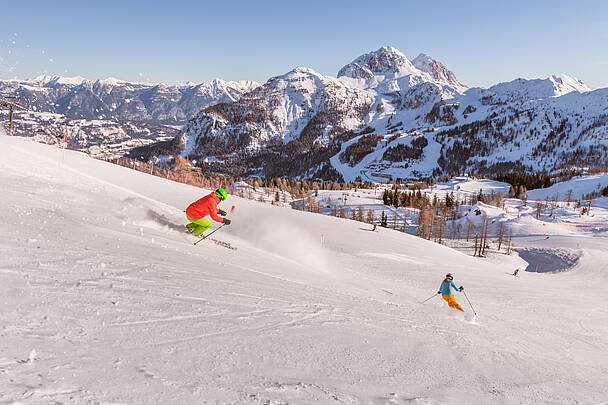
221, 194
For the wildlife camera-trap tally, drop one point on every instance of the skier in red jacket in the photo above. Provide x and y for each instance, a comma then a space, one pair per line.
198, 210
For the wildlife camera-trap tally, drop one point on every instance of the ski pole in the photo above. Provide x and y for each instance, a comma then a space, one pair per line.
465, 295
431, 297
209, 234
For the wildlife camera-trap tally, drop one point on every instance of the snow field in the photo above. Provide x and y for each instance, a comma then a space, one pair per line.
580, 186
120, 307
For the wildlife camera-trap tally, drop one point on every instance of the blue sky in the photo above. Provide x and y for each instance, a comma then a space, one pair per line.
483, 42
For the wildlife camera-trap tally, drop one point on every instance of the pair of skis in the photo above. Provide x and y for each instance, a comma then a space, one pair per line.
209, 234
217, 242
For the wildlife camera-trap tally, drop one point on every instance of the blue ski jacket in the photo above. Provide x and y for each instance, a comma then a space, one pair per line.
447, 287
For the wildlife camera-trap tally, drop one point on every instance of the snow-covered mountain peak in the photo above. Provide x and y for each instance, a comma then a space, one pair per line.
565, 84
48, 80
302, 70
218, 83
72, 81
437, 70
535, 89
386, 61
302, 78
42, 78
232, 90
112, 81
215, 84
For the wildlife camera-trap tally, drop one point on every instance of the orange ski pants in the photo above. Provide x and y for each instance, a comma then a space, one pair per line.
452, 302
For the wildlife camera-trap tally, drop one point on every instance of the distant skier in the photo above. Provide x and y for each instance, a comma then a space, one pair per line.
374, 228
515, 272
198, 210
446, 291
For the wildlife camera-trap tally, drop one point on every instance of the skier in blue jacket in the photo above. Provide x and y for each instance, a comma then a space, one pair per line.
447, 291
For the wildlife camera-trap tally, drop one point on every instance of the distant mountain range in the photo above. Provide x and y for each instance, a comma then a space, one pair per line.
76, 97
113, 116
385, 116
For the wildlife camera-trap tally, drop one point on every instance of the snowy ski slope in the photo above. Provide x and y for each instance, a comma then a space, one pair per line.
105, 300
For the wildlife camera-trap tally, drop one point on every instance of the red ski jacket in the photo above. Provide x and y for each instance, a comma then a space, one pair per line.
205, 206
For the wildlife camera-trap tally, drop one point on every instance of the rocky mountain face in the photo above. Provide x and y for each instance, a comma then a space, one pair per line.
384, 116
385, 62
289, 126
437, 70
112, 116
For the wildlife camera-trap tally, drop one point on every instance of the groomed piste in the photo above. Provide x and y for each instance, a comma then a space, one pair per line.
105, 300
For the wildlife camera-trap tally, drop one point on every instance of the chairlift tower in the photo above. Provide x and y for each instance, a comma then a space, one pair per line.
12, 103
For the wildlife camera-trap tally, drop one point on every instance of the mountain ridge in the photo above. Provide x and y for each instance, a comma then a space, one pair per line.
314, 121
382, 116
110, 117
111, 98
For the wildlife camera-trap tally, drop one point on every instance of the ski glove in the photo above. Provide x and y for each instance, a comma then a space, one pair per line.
438, 292
226, 221
222, 212
461, 288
